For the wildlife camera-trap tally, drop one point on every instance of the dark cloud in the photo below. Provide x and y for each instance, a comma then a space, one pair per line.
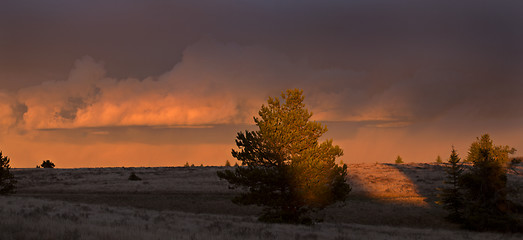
19, 109
419, 67
75, 104
143, 38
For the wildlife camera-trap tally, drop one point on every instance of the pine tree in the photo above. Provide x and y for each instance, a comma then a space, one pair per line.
227, 163
399, 160
487, 206
284, 167
7, 180
451, 196
438, 159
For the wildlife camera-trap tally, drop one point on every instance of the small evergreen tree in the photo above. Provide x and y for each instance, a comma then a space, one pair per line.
186, 164
7, 180
47, 164
438, 159
451, 197
227, 163
284, 167
399, 160
486, 203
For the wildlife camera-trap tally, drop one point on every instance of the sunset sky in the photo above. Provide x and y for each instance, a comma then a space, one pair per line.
161, 83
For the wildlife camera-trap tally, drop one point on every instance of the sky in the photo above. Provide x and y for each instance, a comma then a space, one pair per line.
162, 83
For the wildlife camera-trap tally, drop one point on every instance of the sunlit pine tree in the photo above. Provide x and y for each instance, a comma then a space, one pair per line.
486, 203
284, 166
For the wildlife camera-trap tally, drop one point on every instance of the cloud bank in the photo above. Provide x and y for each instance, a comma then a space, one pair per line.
386, 77
226, 83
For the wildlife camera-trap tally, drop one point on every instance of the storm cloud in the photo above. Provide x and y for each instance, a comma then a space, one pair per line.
116, 71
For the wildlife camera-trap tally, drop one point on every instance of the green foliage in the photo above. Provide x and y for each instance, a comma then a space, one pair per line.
7, 180
438, 159
284, 167
227, 163
133, 177
487, 207
399, 160
47, 164
451, 197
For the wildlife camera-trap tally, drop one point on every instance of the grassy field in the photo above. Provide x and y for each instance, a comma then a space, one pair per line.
388, 201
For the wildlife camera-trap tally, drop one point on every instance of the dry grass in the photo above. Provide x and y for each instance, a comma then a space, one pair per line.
27, 218
388, 202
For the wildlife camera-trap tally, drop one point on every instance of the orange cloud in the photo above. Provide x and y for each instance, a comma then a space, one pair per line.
225, 84
90, 99
214, 83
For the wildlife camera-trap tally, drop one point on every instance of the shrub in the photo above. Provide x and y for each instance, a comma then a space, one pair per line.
47, 164
133, 177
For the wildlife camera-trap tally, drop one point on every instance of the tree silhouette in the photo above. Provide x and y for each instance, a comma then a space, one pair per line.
438, 158
398, 160
7, 180
486, 203
452, 196
227, 163
284, 167
47, 164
